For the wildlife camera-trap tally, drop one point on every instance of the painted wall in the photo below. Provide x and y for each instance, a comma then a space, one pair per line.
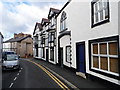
80, 26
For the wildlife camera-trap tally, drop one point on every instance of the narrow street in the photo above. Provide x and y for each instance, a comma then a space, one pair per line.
29, 76
40, 74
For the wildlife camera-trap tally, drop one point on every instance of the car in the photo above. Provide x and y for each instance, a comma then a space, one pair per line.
10, 61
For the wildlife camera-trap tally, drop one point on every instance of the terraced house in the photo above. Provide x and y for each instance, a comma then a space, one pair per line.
45, 37
88, 38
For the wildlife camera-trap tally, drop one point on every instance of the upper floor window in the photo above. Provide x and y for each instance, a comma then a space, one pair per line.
53, 21
51, 37
63, 21
42, 40
100, 12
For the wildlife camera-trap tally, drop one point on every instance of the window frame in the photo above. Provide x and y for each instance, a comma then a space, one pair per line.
93, 23
51, 37
103, 72
108, 56
69, 61
63, 21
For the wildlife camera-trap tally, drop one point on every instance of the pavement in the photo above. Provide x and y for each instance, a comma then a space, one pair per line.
71, 78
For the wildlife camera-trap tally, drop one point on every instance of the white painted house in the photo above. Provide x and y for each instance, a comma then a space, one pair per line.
94, 38
85, 36
1, 45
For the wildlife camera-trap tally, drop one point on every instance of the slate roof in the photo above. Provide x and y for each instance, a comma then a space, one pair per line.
45, 20
18, 39
55, 10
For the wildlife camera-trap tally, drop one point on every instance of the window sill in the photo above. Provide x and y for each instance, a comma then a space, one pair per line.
100, 23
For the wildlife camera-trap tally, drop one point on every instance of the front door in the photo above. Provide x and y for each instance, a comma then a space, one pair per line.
36, 47
61, 57
80, 54
47, 54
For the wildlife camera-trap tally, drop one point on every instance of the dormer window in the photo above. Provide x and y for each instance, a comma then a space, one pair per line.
100, 12
63, 21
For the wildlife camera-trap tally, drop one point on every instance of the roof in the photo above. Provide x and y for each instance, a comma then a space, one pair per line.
1, 35
18, 39
44, 20
55, 11
39, 26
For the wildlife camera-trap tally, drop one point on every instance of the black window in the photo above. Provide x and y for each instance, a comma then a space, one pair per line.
100, 12
42, 40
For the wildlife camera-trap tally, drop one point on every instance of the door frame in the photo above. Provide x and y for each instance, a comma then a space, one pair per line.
77, 57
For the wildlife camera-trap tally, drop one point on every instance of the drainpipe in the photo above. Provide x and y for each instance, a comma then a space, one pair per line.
119, 36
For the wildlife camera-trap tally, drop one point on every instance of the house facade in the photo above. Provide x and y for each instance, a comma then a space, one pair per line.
1, 45
22, 44
52, 35
47, 37
86, 37
64, 37
95, 38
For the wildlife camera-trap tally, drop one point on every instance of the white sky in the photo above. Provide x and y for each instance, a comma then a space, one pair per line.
21, 15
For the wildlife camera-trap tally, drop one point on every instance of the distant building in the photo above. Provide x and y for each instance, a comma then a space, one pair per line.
1, 45
22, 44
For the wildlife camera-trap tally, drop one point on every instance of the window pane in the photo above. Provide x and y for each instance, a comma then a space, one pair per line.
95, 62
114, 65
104, 63
106, 13
105, 3
68, 54
100, 4
96, 17
101, 15
95, 48
96, 7
103, 48
113, 48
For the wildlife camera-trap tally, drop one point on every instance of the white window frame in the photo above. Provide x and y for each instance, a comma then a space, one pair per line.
63, 21
103, 55
103, 2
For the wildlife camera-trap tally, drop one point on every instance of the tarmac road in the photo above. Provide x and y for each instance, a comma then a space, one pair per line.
29, 76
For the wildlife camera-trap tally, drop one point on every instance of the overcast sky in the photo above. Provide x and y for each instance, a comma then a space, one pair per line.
21, 15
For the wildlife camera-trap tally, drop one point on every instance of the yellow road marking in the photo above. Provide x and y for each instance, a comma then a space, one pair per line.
62, 85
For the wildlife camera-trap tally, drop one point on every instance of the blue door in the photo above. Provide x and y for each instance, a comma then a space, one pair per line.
80, 48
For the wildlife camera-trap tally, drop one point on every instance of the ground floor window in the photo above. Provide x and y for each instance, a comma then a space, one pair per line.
68, 53
52, 53
104, 56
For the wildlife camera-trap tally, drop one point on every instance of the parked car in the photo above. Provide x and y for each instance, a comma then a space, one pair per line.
10, 61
